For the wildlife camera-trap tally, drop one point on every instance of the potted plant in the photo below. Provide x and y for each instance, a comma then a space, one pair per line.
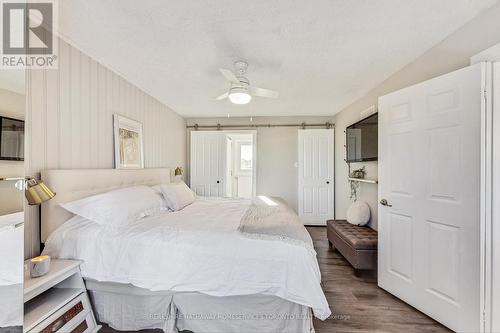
359, 173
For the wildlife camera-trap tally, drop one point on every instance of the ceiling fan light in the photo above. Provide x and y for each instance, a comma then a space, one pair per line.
240, 97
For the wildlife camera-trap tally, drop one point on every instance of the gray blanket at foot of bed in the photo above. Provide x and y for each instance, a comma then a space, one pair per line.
271, 218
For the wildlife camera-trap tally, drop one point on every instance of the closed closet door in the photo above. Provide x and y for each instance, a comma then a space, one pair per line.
208, 158
316, 202
429, 176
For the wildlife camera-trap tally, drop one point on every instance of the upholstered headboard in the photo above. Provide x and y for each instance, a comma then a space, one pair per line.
75, 184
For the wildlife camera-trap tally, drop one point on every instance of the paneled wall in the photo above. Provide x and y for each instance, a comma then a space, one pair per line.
69, 122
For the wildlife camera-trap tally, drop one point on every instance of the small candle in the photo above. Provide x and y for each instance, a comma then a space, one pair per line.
39, 266
39, 258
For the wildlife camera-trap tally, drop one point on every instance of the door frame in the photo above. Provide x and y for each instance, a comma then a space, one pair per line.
486, 198
489, 164
490, 188
229, 186
493, 310
254, 155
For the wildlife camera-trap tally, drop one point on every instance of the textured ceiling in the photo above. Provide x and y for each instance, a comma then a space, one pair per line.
321, 55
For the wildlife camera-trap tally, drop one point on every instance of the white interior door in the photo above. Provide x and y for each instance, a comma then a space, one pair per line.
429, 171
316, 176
208, 159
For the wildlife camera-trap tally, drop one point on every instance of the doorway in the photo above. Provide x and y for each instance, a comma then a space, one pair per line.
223, 163
239, 169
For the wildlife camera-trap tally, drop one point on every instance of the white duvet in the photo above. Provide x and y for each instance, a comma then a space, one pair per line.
196, 249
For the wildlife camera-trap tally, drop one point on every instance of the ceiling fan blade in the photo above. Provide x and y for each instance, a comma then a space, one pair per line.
224, 95
264, 92
229, 75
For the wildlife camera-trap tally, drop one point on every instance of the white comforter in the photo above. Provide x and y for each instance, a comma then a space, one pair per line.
196, 249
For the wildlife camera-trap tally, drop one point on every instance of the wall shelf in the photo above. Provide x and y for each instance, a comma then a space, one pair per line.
363, 180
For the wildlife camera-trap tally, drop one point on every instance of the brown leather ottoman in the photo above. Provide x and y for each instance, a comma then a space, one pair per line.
357, 244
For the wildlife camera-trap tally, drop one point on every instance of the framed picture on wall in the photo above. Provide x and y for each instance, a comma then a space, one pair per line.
129, 151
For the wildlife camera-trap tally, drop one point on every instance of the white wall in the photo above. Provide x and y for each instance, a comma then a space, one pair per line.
451, 54
367, 192
277, 152
69, 122
11, 105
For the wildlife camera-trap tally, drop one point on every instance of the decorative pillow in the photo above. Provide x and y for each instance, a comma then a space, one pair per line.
118, 207
358, 213
177, 195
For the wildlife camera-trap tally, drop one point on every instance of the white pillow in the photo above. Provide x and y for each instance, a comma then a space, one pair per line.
358, 213
118, 207
177, 195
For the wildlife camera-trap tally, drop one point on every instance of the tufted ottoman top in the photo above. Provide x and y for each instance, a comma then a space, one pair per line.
360, 238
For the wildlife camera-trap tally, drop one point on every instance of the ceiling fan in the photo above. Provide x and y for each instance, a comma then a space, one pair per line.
240, 91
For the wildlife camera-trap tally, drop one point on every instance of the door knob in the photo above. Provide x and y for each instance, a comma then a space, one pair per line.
218, 182
384, 202
328, 182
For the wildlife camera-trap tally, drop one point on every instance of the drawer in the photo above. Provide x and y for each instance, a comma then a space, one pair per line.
87, 325
72, 317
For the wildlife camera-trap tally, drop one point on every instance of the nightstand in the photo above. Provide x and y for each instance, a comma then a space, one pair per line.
58, 301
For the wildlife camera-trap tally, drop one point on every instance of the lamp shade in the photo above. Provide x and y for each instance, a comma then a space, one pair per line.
37, 192
239, 95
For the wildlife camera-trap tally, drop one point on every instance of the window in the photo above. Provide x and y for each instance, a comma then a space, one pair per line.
246, 155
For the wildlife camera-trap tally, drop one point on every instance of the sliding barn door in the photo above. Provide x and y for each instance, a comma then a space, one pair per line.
316, 176
429, 176
208, 158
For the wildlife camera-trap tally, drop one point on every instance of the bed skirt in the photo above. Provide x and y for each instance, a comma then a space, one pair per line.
125, 307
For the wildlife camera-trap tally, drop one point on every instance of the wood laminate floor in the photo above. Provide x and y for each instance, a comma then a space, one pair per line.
357, 303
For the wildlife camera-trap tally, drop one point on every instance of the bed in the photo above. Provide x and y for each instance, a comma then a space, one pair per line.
200, 269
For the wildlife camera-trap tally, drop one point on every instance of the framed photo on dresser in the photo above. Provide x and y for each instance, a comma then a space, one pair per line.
129, 151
